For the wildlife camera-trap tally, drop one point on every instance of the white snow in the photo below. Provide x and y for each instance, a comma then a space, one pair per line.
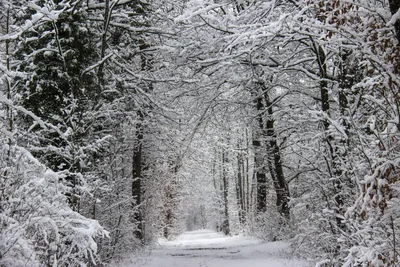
206, 248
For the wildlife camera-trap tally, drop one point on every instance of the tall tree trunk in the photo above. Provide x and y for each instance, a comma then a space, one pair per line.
138, 166
275, 162
137, 178
394, 7
239, 187
225, 182
247, 173
335, 168
107, 15
261, 177
9, 113
171, 200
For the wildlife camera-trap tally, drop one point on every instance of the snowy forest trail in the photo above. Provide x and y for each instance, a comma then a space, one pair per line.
206, 248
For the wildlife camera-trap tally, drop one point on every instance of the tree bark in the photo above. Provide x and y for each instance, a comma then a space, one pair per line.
247, 191
274, 160
137, 178
336, 167
225, 182
171, 200
9, 113
261, 177
394, 7
275, 163
239, 187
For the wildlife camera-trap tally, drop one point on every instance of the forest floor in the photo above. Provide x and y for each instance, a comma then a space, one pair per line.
206, 248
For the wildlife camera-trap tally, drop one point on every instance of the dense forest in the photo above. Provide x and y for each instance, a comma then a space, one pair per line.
125, 120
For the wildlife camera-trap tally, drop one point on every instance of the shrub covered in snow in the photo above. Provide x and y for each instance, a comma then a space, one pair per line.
37, 226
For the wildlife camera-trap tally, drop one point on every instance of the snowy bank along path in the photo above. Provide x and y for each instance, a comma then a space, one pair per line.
206, 248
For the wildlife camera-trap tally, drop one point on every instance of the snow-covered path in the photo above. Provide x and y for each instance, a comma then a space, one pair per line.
205, 248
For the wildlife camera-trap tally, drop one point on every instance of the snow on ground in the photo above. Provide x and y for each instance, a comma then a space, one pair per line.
206, 248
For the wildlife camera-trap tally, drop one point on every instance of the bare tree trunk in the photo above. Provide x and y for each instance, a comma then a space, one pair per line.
335, 168
394, 7
171, 199
275, 162
9, 114
225, 182
248, 195
138, 166
137, 178
239, 187
261, 177
107, 15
